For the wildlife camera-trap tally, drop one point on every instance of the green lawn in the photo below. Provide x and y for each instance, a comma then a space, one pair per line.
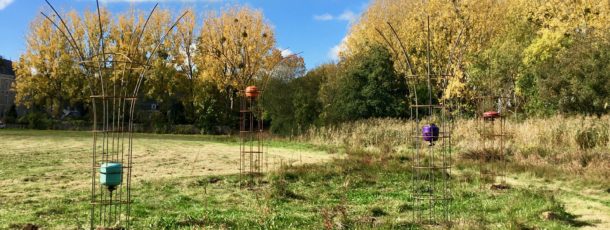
44, 181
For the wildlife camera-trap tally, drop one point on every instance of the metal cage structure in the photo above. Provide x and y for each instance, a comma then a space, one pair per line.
491, 114
251, 134
113, 114
114, 80
432, 163
431, 180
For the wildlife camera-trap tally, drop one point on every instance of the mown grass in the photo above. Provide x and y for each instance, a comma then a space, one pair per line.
44, 175
352, 193
364, 189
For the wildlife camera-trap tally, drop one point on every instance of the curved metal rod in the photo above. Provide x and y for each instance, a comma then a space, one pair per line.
62, 33
139, 83
124, 80
266, 82
139, 39
74, 46
404, 50
144, 26
66, 27
386, 40
406, 54
101, 41
70, 39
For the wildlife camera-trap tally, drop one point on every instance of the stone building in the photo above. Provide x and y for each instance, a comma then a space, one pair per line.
7, 77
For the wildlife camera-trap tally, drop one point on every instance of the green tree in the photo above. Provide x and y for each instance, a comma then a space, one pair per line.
367, 86
306, 98
577, 79
277, 99
46, 74
211, 111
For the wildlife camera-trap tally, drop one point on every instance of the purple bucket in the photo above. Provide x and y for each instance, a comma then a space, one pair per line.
430, 132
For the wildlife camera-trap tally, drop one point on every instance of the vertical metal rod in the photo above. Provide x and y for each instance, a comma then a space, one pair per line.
93, 168
241, 139
431, 114
428, 67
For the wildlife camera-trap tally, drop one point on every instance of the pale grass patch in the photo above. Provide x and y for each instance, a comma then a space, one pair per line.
39, 167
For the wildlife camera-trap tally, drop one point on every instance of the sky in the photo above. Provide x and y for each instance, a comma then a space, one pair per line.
313, 28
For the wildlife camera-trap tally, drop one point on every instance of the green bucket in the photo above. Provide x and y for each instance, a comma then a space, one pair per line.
111, 175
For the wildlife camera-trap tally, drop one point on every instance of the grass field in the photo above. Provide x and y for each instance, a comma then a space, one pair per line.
189, 182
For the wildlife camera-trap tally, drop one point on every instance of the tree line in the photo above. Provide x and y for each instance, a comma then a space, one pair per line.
544, 57
195, 74
547, 57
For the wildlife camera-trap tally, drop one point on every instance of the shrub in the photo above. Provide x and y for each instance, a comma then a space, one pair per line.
591, 136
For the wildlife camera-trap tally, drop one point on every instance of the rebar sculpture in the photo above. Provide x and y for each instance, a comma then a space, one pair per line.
432, 163
114, 80
431, 168
251, 127
252, 153
491, 115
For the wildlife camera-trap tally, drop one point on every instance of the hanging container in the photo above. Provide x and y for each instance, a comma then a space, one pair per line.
491, 115
111, 175
251, 91
430, 133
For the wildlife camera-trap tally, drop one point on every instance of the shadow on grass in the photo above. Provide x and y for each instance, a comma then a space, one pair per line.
569, 219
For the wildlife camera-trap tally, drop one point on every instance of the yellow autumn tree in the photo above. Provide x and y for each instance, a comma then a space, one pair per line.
184, 50
234, 47
486, 45
61, 65
46, 74
457, 30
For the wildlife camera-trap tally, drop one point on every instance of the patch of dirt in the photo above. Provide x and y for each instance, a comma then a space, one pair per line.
106, 228
214, 180
549, 216
30, 227
24, 226
499, 187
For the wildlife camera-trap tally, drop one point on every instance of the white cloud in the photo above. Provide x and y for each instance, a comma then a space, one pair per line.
286, 52
347, 15
323, 17
5, 3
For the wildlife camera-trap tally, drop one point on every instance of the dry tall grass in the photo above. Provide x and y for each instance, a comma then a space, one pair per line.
566, 145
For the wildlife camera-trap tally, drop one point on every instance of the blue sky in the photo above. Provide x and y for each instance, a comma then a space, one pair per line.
313, 27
